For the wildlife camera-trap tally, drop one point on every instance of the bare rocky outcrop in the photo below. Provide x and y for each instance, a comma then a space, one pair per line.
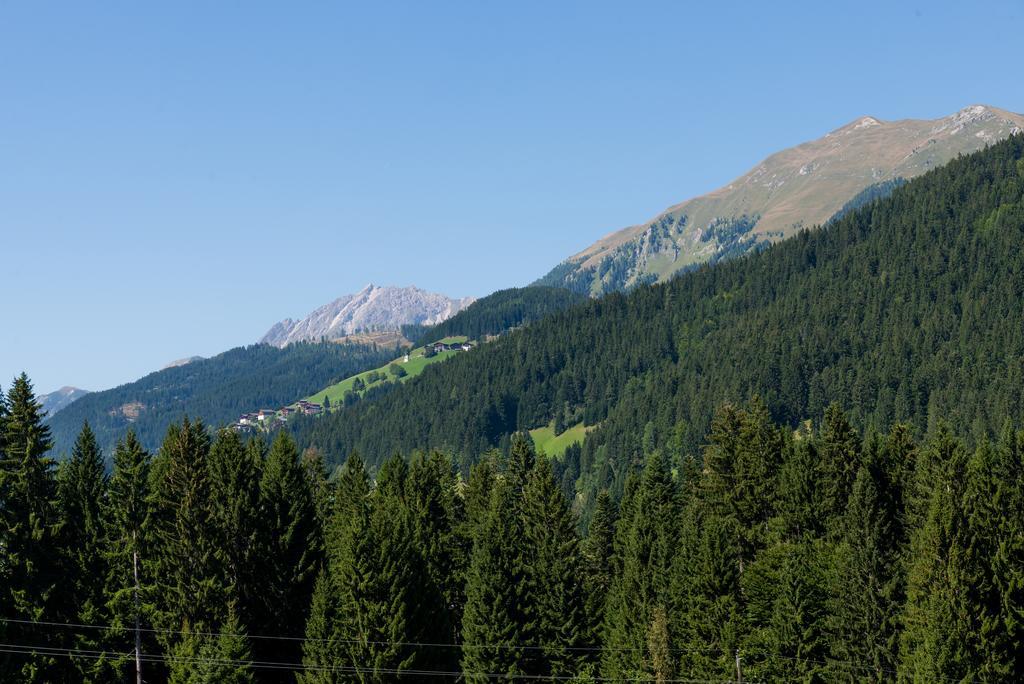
55, 401
373, 308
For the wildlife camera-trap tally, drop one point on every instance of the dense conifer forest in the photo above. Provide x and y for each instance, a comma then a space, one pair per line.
905, 310
217, 389
501, 311
819, 554
808, 465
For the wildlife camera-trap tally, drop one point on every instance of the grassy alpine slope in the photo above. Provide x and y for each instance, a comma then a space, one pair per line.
545, 440
377, 377
797, 187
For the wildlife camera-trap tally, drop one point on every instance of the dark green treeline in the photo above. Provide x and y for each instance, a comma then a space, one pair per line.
819, 554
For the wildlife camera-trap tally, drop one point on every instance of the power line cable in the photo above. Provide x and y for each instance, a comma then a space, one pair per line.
710, 651
276, 665
423, 644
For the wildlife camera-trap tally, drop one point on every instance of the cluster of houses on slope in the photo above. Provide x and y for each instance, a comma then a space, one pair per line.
458, 346
274, 418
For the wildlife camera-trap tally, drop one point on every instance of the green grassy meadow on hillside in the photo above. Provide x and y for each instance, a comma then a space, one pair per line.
417, 362
545, 439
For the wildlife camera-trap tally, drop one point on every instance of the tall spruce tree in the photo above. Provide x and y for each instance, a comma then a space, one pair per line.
988, 498
186, 562
896, 466
1008, 562
81, 494
477, 494
838, 461
934, 639
598, 550
521, 459
320, 485
30, 536
344, 536
391, 477
294, 552
799, 512
866, 587
555, 568
374, 577
763, 448
496, 622
127, 544
645, 544
742, 460
235, 474
437, 515
784, 593
352, 489
868, 584
721, 460
706, 584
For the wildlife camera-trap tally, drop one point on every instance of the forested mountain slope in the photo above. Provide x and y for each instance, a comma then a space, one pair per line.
906, 308
216, 390
501, 311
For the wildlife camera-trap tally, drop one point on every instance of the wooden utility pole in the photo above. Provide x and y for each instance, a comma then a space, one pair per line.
138, 630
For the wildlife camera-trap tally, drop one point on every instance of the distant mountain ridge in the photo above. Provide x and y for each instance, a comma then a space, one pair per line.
216, 390
56, 401
798, 187
372, 308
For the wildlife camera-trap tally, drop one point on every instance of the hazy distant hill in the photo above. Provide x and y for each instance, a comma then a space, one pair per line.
216, 390
55, 401
801, 186
372, 308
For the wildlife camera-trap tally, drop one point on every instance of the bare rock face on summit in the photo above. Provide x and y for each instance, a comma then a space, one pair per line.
62, 398
802, 186
372, 308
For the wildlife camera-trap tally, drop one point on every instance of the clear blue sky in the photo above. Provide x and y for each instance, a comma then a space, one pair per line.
175, 177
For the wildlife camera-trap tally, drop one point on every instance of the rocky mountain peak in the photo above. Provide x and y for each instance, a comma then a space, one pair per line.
797, 187
60, 399
373, 308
